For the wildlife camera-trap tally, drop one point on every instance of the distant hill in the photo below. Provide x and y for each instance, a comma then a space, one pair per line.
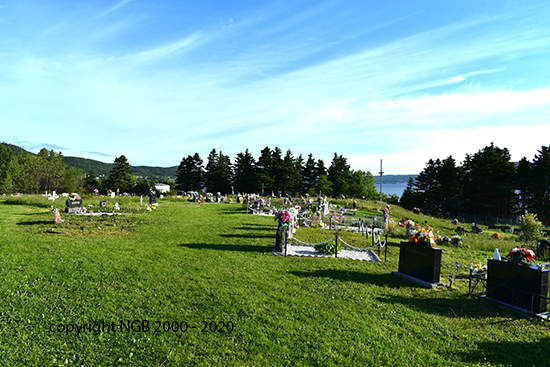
15, 149
103, 169
393, 179
88, 165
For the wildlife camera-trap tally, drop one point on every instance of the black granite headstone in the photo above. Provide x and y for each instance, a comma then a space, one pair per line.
517, 285
73, 203
420, 261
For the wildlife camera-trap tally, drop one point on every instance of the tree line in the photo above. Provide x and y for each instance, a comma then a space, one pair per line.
486, 183
30, 173
274, 173
46, 171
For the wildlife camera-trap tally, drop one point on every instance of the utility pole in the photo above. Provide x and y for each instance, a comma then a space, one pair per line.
381, 180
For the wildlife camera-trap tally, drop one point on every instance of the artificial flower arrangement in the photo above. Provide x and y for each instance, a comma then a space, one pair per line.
406, 222
521, 255
496, 236
423, 235
73, 196
283, 217
455, 240
478, 268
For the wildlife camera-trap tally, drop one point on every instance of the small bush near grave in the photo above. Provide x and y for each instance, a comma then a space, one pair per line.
328, 247
530, 227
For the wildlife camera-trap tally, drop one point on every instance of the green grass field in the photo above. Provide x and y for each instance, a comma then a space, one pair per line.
131, 283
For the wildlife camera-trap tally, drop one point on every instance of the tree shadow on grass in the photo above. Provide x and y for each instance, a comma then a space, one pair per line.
38, 222
508, 353
381, 280
239, 248
248, 235
462, 306
237, 211
258, 227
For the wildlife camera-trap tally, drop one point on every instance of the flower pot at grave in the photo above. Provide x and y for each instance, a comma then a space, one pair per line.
420, 261
73, 203
517, 285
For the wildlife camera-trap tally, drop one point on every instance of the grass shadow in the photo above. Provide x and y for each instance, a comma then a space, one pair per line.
38, 222
462, 306
238, 248
258, 226
250, 235
380, 280
501, 353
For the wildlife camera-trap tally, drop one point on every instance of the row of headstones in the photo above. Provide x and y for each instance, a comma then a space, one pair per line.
75, 206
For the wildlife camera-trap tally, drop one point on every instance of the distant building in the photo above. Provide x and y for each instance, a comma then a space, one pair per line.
162, 188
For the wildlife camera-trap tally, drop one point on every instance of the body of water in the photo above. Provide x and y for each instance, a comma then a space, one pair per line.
391, 189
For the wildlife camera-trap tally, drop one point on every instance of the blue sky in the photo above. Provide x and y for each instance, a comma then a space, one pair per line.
402, 81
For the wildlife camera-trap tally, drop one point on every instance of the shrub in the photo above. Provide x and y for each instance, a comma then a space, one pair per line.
530, 227
328, 247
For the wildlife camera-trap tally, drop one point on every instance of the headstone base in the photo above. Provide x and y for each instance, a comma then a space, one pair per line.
420, 282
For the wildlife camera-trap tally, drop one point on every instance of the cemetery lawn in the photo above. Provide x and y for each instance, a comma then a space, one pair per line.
212, 265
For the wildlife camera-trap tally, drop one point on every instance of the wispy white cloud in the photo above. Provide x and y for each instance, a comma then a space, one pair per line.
117, 6
163, 51
300, 82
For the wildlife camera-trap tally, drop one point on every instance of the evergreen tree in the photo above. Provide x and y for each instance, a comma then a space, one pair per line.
50, 170
426, 186
277, 168
223, 175
339, 174
190, 174
449, 189
7, 169
264, 170
245, 175
308, 175
90, 182
321, 169
322, 185
525, 185
438, 186
142, 187
210, 177
541, 184
362, 185
299, 167
488, 182
410, 197
26, 174
120, 177
289, 174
